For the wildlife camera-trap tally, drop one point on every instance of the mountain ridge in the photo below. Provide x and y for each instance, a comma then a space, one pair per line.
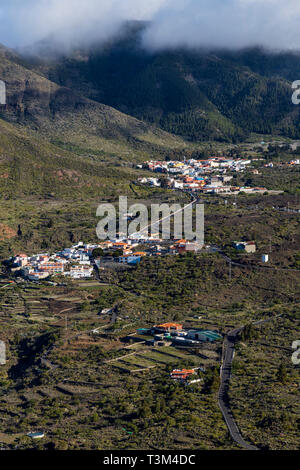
58, 112
198, 95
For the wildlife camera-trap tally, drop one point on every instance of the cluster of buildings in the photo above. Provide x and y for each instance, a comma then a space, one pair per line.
77, 261
181, 247
206, 176
282, 164
152, 246
127, 249
175, 333
74, 262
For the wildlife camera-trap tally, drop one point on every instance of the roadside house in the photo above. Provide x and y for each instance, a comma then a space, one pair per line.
248, 247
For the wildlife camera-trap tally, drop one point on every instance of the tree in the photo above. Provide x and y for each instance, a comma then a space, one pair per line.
249, 333
212, 380
95, 418
164, 182
20, 233
215, 382
145, 411
281, 374
97, 252
160, 406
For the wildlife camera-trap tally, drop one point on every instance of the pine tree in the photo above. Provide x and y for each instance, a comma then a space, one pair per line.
282, 374
20, 233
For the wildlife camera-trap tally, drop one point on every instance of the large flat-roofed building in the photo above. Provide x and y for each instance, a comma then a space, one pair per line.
203, 335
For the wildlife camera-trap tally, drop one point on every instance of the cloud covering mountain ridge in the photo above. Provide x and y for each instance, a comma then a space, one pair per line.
231, 24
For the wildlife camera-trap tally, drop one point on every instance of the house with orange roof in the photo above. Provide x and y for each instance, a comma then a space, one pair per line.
179, 246
188, 179
119, 244
182, 375
52, 268
180, 242
127, 251
105, 245
169, 327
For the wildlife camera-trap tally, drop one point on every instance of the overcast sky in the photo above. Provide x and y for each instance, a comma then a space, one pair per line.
209, 23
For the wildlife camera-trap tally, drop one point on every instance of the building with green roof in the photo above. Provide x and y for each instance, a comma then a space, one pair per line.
203, 335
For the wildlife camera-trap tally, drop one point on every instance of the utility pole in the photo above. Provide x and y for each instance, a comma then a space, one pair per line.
230, 271
270, 246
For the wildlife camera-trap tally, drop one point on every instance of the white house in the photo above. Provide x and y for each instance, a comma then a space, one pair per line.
79, 271
21, 259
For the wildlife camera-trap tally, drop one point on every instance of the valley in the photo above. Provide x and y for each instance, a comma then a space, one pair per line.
84, 368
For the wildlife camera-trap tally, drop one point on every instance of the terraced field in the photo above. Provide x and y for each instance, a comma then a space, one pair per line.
162, 357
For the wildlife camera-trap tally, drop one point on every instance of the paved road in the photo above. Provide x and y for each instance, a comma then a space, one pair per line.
229, 349
224, 387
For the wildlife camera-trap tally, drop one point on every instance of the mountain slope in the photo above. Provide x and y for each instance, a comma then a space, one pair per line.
66, 116
201, 96
31, 166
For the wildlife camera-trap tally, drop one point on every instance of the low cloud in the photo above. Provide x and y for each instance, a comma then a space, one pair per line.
191, 23
68, 22
237, 24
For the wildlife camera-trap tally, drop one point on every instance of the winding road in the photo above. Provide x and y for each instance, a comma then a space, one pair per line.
229, 348
223, 398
